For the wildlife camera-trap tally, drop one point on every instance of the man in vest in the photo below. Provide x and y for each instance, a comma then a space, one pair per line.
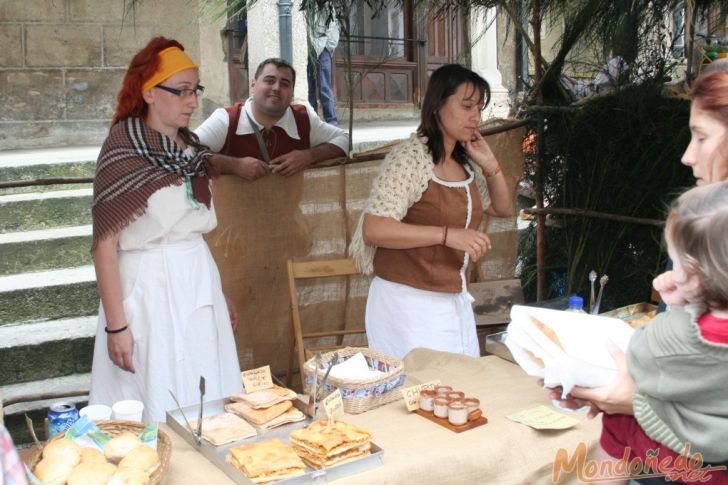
260, 223
268, 134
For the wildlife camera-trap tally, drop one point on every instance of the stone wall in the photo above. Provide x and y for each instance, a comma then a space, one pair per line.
62, 63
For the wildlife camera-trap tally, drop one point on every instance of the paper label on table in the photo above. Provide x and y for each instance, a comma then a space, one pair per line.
257, 379
543, 417
411, 394
334, 405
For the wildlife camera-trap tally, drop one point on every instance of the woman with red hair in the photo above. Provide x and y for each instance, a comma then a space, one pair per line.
648, 417
163, 319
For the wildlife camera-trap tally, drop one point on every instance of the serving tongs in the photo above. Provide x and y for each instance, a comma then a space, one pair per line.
311, 408
199, 417
198, 437
334, 360
602, 283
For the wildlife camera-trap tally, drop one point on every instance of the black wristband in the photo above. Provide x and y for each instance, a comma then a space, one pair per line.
118, 330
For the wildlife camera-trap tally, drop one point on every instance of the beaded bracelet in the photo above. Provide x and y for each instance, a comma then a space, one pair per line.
118, 330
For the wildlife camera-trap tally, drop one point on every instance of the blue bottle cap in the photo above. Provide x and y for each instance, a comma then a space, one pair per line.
575, 301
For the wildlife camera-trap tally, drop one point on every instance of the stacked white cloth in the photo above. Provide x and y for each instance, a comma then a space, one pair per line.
565, 348
355, 368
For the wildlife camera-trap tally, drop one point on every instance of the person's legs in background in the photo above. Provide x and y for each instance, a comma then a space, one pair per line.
325, 89
312, 84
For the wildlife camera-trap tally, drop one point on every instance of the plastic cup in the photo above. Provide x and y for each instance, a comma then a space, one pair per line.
128, 410
96, 412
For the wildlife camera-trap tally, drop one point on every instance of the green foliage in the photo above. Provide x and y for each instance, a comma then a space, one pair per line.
617, 154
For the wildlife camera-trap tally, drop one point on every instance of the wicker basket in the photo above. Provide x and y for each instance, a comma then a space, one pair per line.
113, 428
361, 395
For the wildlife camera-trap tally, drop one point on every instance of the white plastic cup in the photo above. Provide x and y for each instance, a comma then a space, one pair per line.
96, 412
128, 410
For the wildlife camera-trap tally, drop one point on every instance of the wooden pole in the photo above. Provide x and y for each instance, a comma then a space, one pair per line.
540, 218
595, 215
689, 32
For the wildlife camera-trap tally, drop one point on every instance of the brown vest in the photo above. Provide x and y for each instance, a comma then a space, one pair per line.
433, 268
277, 140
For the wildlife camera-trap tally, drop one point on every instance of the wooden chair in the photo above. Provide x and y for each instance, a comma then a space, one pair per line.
308, 270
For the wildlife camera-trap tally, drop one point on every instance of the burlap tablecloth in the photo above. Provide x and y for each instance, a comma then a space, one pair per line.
419, 451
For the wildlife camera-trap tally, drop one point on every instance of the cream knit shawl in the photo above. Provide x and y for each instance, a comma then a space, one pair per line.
403, 178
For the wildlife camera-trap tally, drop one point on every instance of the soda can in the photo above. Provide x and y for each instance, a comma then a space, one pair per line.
61, 416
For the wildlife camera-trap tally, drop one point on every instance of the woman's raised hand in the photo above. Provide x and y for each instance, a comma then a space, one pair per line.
473, 242
479, 152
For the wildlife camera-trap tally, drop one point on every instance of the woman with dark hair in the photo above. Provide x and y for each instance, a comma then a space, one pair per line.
419, 230
163, 319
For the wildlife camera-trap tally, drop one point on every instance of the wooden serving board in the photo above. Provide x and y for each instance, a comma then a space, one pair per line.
446, 424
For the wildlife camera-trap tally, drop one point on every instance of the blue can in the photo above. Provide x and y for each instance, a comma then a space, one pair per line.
61, 416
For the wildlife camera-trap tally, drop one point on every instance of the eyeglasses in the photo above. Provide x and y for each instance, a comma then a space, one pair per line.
183, 93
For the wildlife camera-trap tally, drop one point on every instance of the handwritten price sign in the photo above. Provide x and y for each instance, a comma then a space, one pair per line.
411, 395
334, 405
257, 379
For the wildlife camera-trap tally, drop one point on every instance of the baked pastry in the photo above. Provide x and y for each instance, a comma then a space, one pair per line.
266, 461
258, 416
120, 446
53, 470
535, 359
92, 455
321, 444
128, 476
224, 428
63, 448
293, 415
548, 331
91, 473
638, 322
265, 398
142, 458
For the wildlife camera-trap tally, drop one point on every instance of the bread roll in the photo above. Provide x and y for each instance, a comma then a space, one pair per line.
128, 476
142, 458
63, 448
91, 473
120, 446
92, 455
53, 470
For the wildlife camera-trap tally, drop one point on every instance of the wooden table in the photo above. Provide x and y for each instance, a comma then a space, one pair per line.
419, 451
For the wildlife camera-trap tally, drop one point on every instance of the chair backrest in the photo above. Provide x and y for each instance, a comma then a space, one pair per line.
307, 270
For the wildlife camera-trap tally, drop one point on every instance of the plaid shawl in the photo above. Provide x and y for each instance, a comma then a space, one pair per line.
136, 161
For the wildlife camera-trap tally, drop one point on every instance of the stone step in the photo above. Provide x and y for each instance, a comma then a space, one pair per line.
48, 295
30, 351
44, 210
33, 172
45, 249
46, 156
47, 163
77, 384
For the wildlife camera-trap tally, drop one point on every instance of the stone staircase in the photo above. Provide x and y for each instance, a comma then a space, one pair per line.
48, 296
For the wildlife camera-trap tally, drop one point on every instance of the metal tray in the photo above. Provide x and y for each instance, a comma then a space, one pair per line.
495, 344
217, 454
630, 312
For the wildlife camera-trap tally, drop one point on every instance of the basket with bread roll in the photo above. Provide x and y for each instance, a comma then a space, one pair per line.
74, 458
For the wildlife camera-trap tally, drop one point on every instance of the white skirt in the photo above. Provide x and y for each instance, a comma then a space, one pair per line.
400, 318
178, 316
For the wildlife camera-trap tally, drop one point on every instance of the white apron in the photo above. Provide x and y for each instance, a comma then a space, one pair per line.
176, 311
400, 318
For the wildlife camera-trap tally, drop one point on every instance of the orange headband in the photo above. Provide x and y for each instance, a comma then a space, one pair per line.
171, 61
